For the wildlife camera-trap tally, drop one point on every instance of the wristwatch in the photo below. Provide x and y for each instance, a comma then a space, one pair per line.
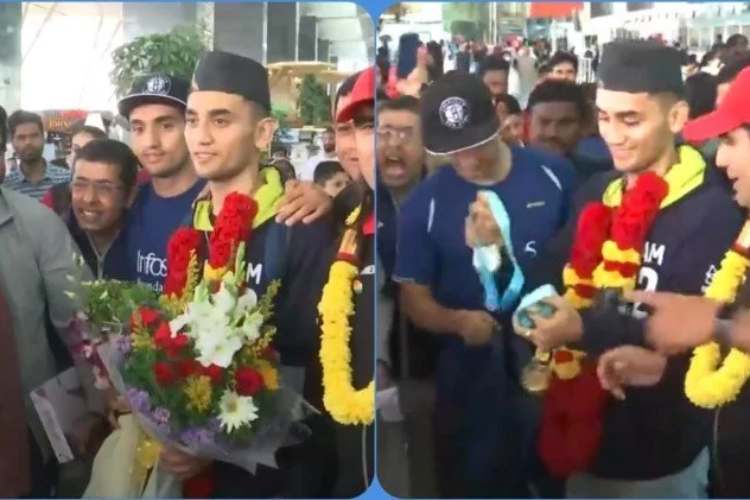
722, 329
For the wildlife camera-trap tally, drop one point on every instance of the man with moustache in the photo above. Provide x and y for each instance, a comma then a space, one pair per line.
483, 422
228, 124
654, 442
33, 176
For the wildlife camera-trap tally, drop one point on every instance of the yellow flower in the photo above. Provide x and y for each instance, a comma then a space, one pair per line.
346, 405
706, 384
611, 252
269, 374
198, 391
211, 274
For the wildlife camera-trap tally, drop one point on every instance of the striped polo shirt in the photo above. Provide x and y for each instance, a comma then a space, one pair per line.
53, 175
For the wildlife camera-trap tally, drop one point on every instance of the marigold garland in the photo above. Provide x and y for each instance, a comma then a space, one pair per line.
706, 384
346, 405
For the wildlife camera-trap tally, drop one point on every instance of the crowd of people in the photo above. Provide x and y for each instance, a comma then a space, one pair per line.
116, 205
624, 196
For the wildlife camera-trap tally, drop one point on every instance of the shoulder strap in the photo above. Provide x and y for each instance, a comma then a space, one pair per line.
276, 250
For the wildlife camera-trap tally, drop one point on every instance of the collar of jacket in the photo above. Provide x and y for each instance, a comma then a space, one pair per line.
684, 177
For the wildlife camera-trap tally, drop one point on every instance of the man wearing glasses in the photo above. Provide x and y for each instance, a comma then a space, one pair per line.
102, 189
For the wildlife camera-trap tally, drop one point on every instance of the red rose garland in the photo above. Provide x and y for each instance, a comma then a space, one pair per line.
606, 253
233, 226
182, 244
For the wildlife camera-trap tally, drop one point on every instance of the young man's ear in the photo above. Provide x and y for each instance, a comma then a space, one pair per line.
264, 133
678, 116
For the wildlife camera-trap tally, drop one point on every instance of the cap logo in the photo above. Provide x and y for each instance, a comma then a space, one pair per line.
158, 85
454, 113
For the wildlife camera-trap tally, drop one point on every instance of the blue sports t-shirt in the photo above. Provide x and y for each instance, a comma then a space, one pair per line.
490, 418
151, 222
431, 244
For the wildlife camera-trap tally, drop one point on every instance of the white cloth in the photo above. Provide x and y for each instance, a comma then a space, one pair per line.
307, 172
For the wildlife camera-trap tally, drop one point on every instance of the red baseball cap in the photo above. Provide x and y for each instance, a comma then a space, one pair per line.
363, 92
732, 113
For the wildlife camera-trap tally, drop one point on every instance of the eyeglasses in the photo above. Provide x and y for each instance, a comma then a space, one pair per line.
101, 188
386, 134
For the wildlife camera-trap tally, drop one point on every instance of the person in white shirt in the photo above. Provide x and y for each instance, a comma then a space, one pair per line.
328, 153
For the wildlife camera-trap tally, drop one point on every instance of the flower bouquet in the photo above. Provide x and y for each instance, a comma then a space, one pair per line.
198, 371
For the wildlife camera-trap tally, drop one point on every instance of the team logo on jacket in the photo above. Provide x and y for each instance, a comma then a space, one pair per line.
454, 113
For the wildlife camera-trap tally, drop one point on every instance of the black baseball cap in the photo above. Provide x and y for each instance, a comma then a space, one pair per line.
636, 66
155, 89
233, 74
457, 114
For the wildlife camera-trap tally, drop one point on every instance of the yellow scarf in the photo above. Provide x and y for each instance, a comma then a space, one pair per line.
268, 197
682, 179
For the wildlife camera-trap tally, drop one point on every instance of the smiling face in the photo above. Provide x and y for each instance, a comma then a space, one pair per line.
639, 129
225, 134
98, 196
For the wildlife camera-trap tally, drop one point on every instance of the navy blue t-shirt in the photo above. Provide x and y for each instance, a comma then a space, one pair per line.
490, 419
151, 222
431, 245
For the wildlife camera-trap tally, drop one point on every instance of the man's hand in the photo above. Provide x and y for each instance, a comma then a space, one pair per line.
116, 405
481, 228
476, 327
677, 322
565, 326
629, 366
303, 201
182, 465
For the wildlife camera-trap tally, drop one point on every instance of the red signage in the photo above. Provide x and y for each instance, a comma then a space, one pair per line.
555, 9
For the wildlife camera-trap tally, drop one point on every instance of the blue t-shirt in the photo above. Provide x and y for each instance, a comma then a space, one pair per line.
491, 419
431, 244
151, 222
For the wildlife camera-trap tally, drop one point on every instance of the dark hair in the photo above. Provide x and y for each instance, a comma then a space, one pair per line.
285, 168
511, 103
563, 57
21, 117
403, 103
732, 68
345, 89
493, 63
325, 170
435, 70
93, 132
114, 153
544, 69
559, 91
735, 40
279, 149
700, 94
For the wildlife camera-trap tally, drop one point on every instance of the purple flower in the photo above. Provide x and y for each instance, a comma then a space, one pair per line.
214, 425
161, 416
197, 436
122, 344
138, 400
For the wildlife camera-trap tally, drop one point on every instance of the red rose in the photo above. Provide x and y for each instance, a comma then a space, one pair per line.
214, 372
164, 373
182, 243
220, 254
249, 381
175, 345
162, 335
188, 367
146, 315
